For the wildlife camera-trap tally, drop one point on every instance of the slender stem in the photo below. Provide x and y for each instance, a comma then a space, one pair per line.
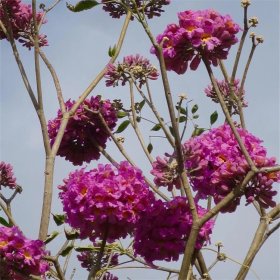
202, 265
271, 231
54, 260
135, 124
8, 214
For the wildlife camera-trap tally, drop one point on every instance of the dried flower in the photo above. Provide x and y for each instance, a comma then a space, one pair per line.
137, 67
105, 200
7, 176
19, 17
165, 228
84, 130
225, 90
151, 8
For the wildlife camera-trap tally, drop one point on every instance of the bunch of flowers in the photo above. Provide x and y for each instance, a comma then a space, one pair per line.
7, 178
165, 228
136, 66
18, 17
150, 8
106, 201
228, 98
199, 34
84, 130
216, 166
165, 172
19, 256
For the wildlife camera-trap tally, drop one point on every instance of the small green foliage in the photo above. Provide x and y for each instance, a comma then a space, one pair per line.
82, 5
195, 116
59, 219
72, 234
84, 248
112, 51
150, 148
51, 237
194, 108
121, 114
122, 126
4, 222
141, 104
182, 119
66, 251
213, 117
197, 131
157, 127
182, 110
171, 131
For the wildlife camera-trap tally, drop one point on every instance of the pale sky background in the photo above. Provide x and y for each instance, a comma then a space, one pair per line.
78, 50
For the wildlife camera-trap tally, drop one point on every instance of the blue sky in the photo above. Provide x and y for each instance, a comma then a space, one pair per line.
78, 50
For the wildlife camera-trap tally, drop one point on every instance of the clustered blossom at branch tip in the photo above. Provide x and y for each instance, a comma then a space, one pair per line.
165, 228
151, 8
216, 166
84, 130
225, 89
7, 178
88, 260
105, 200
19, 256
199, 34
19, 17
136, 66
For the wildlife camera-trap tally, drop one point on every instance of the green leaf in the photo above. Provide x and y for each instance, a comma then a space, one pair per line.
195, 116
72, 234
194, 108
213, 117
141, 104
112, 51
121, 114
4, 222
197, 131
157, 127
82, 5
84, 248
67, 250
182, 119
59, 219
171, 131
51, 237
123, 126
182, 110
150, 148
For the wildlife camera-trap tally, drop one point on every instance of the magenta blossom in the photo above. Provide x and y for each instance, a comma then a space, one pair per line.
216, 166
198, 34
106, 201
84, 130
19, 256
137, 67
151, 8
18, 17
162, 232
228, 98
7, 178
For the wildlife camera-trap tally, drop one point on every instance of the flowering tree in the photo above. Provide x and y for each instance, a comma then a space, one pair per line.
168, 213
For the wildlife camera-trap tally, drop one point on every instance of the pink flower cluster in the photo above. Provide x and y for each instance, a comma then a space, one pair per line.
105, 201
7, 178
163, 231
199, 34
19, 256
216, 166
84, 130
151, 8
229, 100
136, 66
18, 17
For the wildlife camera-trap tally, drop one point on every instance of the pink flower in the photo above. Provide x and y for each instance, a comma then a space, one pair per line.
198, 34
7, 176
21, 21
136, 66
150, 8
105, 200
163, 230
19, 256
84, 130
216, 166
225, 90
